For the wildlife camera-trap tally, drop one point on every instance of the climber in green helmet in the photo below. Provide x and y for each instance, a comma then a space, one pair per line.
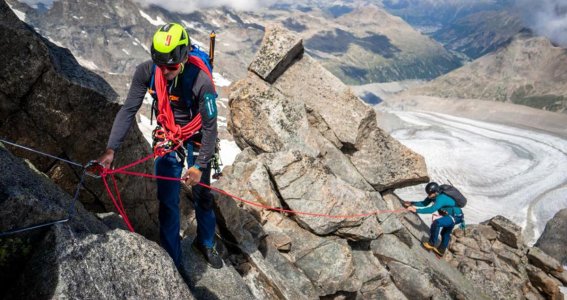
190, 90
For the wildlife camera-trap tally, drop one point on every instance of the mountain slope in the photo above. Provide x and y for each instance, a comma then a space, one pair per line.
473, 28
359, 43
478, 34
528, 72
378, 47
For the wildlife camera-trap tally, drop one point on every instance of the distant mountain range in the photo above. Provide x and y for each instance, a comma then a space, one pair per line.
529, 71
359, 43
473, 28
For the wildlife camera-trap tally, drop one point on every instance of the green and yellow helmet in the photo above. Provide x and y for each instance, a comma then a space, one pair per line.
170, 45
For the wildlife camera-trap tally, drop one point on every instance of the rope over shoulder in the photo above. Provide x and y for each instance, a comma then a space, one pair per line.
172, 131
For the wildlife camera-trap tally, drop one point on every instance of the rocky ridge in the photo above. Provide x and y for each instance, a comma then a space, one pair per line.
494, 255
81, 258
287, 136
320, 151
553, 240
51, 104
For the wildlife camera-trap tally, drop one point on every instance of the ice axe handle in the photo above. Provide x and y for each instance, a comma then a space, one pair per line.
212, 37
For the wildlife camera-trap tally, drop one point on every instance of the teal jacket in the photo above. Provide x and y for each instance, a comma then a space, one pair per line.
442, 201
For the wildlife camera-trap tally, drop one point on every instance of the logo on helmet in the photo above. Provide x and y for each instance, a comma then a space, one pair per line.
168, 40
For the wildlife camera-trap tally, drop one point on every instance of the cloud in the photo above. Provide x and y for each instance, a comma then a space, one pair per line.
546, 17
192, 5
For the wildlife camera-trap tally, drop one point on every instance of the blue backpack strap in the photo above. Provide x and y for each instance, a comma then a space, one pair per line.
188, 82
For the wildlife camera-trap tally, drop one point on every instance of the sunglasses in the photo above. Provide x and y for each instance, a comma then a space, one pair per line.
170, 67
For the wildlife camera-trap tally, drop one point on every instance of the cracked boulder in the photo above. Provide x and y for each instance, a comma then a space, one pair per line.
50, 103
492, 256
278, 116
77, 259
553, 240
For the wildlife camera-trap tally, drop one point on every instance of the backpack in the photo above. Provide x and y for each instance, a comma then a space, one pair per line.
455, 194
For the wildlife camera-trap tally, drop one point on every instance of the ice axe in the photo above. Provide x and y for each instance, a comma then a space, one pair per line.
212, 37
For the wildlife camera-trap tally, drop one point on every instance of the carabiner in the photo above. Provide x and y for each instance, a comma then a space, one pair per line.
94, 169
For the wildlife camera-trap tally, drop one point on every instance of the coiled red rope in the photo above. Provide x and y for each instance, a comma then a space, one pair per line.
165, 117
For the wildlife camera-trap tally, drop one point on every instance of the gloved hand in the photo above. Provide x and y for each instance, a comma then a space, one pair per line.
192, 176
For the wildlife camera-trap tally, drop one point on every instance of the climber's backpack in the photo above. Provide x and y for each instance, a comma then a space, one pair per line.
452, 192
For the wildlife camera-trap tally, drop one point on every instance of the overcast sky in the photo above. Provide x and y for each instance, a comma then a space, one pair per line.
546, 17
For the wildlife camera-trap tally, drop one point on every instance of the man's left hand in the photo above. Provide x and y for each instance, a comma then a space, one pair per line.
192, 176
412, 208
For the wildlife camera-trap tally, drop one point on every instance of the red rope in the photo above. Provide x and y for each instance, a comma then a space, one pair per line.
165, 117
120, 207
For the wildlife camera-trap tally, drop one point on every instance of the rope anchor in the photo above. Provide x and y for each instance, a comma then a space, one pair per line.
94, 169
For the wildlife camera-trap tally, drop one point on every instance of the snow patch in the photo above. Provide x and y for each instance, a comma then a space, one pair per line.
19, 14
146, 128
87, 63
228, 152
142, 44
199, 44
148, 99
230, 18
220, 80
215, 23
193, 25
125, 51
156, 22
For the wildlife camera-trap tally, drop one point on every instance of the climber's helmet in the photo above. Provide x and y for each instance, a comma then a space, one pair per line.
431, 188
170, 45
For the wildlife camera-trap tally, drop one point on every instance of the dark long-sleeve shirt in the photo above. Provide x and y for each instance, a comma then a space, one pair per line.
203, 91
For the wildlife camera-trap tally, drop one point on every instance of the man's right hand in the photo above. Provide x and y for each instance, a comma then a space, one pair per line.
406, 203
106, 158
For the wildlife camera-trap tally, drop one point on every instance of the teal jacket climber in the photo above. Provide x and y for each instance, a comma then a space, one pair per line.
441, 202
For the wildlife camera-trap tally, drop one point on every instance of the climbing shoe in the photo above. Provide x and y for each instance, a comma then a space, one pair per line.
211, 255
427, 246
439, 252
